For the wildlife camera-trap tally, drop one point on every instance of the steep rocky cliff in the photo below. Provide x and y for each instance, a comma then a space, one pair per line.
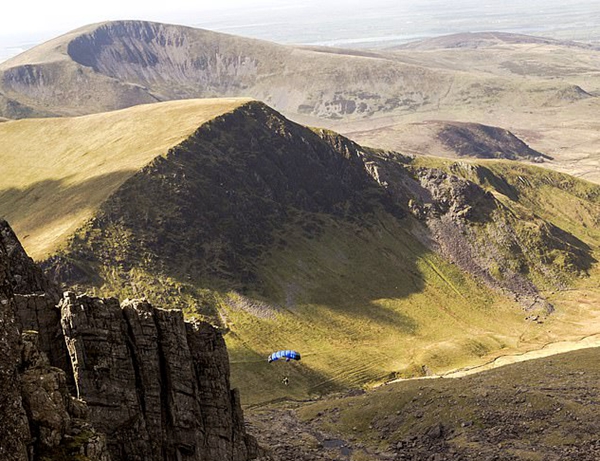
14, 428
59, 423
38, 416
156, 385
35, 298
147, 384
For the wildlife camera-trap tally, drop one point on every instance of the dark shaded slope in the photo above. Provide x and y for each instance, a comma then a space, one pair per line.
443, 138
483, 141
250, 183
176, 61
61, 87
210, 208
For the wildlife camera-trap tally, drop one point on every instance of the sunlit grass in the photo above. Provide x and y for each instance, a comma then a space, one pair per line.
56, 172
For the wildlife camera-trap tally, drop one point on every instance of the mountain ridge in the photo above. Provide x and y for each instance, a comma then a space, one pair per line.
364, 94
279, 233
133, 62
75, 155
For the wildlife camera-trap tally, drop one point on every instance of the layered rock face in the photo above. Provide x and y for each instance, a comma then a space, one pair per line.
38, 416
14, 428
60, 426
156, 385
147, 384
35, 298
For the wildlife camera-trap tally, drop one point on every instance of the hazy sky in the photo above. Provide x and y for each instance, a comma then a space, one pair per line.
19, 17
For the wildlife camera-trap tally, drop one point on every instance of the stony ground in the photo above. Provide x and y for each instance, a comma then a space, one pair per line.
290, 439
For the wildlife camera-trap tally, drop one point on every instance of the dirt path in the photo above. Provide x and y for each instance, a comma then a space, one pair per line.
547, 350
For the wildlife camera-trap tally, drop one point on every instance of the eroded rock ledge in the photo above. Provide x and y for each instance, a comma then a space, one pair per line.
107, 381
156, 385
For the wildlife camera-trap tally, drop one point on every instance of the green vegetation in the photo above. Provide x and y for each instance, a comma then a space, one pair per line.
555, 216
55, 173
363, 303
541, 407
292, 238
72, 448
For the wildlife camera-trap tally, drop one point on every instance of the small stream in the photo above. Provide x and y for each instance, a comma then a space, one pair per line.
341, 445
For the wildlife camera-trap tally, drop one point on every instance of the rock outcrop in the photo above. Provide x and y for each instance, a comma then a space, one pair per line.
460, 217
59, 422
38, 416
156, 385
14, 428
147, 384
35, 298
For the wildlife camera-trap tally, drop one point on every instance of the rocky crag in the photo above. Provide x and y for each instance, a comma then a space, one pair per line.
91, 379
461, 214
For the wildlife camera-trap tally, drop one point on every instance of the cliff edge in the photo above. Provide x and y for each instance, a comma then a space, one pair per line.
93, 379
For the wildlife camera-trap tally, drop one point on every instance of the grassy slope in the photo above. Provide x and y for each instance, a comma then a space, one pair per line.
449, 320
535, 410
362, 299
364, 304
347, 283
574, 206
54, 173
354, 290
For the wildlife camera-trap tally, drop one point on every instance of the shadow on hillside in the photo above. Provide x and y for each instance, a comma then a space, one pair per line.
342, 275
49, 204
262, 381
351, 272
248, 186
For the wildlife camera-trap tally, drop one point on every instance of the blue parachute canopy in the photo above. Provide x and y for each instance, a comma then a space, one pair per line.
287, 355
